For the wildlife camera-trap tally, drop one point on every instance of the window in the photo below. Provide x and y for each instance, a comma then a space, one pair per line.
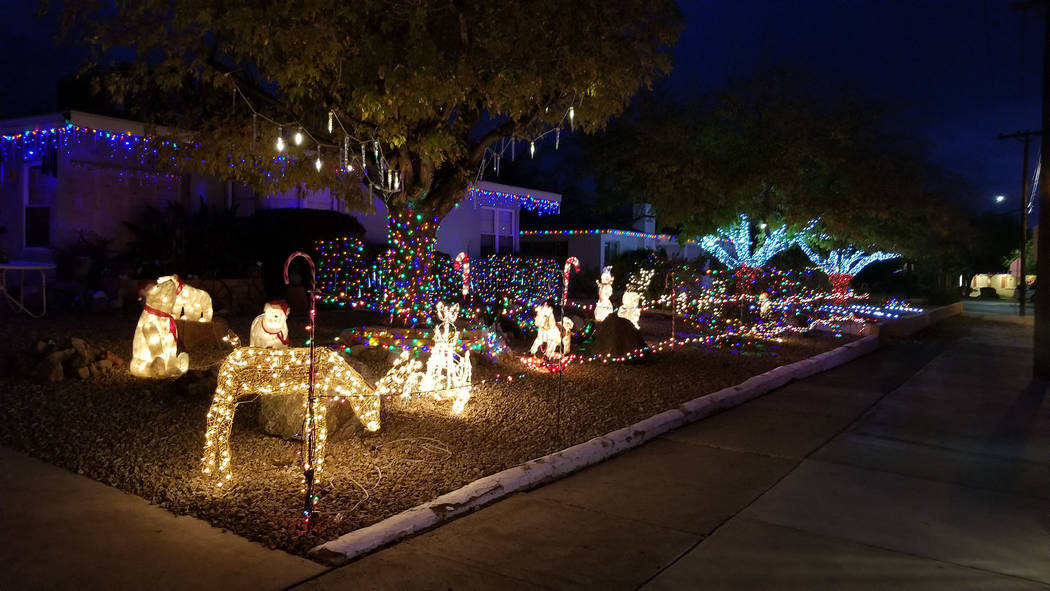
498, 229
39, 197
612, 251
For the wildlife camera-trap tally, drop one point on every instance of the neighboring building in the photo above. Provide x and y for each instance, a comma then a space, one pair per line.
66, 173
598, 248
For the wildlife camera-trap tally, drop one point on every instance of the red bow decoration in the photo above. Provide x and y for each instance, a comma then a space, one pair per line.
171, 320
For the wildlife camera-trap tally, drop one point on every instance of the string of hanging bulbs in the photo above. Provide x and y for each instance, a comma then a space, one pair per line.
388, 180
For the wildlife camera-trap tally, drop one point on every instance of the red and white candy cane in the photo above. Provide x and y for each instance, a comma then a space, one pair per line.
570, 264
462, 265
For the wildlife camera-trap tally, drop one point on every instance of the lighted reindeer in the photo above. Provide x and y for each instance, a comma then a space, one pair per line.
448, 373
282, 372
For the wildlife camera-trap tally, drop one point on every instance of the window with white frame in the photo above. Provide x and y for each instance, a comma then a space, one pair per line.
498, 227
39, 197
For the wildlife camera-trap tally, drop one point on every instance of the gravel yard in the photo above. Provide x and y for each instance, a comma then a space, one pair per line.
145, 437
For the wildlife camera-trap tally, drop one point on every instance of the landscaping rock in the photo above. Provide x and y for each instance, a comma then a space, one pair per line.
282, 416
616, 337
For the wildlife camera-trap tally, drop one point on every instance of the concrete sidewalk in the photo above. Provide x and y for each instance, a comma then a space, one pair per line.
921, 466
63, 531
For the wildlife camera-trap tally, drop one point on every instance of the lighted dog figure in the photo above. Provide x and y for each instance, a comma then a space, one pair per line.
604, 306
154, 350
448, 373
551, 335
629, 309
190, 303
270, 329
283, 372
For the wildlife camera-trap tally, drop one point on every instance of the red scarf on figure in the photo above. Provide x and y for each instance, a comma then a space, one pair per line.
171, 320
280, 335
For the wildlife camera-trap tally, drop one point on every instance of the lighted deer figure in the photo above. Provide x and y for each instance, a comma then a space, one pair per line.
448, 373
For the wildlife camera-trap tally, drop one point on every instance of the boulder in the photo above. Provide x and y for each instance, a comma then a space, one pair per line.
616, 337
282, 416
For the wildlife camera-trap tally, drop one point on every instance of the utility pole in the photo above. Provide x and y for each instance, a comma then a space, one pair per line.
1022, 284
1041, 355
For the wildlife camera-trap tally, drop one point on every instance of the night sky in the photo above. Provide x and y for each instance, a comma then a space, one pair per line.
956, 72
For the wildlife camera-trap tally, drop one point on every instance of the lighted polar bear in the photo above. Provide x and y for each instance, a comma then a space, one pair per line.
154, 350
190, 303
270, 329
629, 309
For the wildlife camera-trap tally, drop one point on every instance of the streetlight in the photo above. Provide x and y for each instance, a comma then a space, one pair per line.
1022, 281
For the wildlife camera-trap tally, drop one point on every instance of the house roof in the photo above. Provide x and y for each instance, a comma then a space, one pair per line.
497, 194
9, 128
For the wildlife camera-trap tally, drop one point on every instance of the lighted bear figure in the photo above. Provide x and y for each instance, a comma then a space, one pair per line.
629, 309
270, 329
190, 303
154, 350
604, 307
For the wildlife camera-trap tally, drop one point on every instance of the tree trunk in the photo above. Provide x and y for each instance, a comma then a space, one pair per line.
409, 286
840, 285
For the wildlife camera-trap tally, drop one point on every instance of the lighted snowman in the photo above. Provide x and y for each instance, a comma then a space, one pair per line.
604, 307
270, 329
154, 350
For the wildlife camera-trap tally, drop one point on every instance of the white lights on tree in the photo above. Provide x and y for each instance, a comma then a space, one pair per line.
732, 245
283, 372
154, 350
298, 137
629, 309
270, 329
190, 303
448, 373
280, 140
842, 264
604, 306
639, 282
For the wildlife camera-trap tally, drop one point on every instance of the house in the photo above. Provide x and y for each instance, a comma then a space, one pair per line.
598, 248
63, 174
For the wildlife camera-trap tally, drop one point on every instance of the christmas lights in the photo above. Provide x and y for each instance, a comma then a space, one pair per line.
448, 373
526, 201
604, 306
270, 329
619, 233
154, 349
842, 264
732, 245
190, 303
462, 264
283, 372
570, 264
629, 309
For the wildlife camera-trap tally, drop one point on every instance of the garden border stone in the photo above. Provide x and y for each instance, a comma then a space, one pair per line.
562, 463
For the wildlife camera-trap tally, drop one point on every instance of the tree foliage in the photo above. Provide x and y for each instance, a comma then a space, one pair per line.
435, 82
779, 151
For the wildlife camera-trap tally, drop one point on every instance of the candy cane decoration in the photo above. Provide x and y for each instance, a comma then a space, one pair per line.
462, 265
570, 264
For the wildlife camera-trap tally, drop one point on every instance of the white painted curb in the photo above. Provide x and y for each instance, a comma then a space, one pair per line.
558, 464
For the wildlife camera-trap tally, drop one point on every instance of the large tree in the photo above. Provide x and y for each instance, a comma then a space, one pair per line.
780, 150
422, 93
